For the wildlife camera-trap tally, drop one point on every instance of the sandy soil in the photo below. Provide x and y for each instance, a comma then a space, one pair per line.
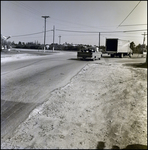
14, 55
105, 104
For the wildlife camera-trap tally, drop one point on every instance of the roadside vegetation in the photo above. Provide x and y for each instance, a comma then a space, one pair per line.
36, 45
5, 44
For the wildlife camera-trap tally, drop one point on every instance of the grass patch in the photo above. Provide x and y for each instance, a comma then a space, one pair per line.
138, 65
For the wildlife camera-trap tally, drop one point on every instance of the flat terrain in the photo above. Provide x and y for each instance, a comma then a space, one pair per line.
27, 78
102, 104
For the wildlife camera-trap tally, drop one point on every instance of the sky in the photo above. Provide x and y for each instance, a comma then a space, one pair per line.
77, 22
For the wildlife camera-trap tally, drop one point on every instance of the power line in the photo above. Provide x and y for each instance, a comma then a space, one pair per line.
77, 31
133, 25
20, 4
88, 31
128, 14
101, 31
80, 32
84, 25
74, 23
32, 8
30, 34
27, 34
27, 10
136, 30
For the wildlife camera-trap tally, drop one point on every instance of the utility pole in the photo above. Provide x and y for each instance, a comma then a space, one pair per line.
144, 37
59, 39
99, 41
60, 42
45, 17
53, 37
144, 40
144, 45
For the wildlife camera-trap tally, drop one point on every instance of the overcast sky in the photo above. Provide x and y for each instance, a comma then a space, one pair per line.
24, 17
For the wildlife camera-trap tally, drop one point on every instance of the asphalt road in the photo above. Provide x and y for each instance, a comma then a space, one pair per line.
26, 84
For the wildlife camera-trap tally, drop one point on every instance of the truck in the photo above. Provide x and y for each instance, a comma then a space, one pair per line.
92, 54
118, 47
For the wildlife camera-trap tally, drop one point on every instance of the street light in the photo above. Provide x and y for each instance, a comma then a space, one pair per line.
6, 38
45, 30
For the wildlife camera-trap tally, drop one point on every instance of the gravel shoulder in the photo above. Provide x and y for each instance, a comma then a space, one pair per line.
105, 104
15, 55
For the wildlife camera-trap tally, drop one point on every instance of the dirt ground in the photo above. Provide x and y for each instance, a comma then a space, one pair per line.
103, 106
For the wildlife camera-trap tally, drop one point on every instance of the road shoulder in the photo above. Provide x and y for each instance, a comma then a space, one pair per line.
103, 103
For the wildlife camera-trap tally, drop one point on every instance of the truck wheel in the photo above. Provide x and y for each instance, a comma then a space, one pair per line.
112, 55
95, 58
121, 55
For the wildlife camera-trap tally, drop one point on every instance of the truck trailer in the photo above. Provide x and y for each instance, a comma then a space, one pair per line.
118, 47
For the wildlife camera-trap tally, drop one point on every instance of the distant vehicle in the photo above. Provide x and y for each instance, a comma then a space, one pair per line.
117, 47
3, 48
92, 54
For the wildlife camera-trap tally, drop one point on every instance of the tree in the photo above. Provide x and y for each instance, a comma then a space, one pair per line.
19, 43
132, 46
